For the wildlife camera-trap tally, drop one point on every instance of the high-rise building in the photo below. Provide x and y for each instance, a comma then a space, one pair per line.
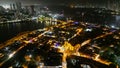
18, 6
112, 4
32, 9
2, 9
14, 7
11, 7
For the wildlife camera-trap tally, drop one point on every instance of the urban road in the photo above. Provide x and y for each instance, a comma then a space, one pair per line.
67, 31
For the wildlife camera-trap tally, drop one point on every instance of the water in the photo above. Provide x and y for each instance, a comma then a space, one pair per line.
8, 31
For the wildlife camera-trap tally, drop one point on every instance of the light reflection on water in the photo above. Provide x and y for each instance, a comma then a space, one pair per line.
8, 31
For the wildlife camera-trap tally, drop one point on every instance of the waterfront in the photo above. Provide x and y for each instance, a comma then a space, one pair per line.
76, 44
8, 31
79, 38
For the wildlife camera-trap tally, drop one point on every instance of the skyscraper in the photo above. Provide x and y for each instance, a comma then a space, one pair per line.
32, 9
11, 7
14, 8
2, 9
18, 6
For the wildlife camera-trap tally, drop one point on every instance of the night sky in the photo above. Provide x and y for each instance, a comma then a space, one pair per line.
50, 1
28, 2
24, 2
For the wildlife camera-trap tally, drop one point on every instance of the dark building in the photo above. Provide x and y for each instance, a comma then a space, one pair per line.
18, 6
11, 7
14, 8
32, 10
2, 9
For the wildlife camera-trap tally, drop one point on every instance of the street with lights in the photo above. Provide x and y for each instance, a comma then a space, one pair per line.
59, 34
69, 44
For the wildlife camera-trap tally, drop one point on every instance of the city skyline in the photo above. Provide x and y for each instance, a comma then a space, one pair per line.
110, 4
57, 1
6, 3
59, 33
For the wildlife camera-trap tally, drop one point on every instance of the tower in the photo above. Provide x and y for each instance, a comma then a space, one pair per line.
18, 6
14, 7
11, 7
32, 9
